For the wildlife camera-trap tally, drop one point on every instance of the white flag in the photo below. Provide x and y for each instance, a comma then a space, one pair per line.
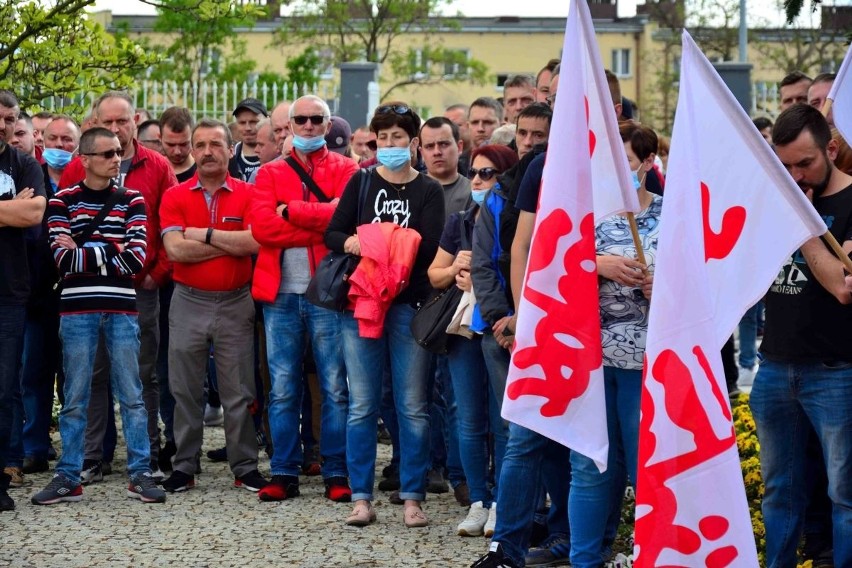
841, 98
719, 251
555, 384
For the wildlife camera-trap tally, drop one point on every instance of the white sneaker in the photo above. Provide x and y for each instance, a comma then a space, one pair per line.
492, 520
746, 378
474, 523
213, 416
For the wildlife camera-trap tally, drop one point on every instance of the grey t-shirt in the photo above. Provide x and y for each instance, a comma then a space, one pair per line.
457, 196
295, 271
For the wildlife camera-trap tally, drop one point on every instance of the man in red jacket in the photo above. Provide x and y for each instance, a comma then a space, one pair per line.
149, 173
289, 218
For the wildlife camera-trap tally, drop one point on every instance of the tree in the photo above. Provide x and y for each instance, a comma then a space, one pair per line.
806, 48
372, 30
51, 49
203, 43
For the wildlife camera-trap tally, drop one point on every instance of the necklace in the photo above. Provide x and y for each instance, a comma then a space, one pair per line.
397, 188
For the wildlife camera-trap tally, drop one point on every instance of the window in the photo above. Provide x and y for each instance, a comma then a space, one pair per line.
621, 62
455, 64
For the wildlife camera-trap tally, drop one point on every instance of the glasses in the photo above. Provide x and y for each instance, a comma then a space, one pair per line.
107, 154
372, 145
484, 174
397, 109
315, 119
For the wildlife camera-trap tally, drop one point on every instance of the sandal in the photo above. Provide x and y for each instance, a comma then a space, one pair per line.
414, 517
361, 516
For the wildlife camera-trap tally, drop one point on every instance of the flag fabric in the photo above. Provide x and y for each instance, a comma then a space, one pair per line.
841, 98
731, 217
555, 384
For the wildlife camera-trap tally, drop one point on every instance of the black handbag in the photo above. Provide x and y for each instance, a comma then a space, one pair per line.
329, 286
429, 324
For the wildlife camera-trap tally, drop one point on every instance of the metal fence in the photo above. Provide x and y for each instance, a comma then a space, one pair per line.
207, 98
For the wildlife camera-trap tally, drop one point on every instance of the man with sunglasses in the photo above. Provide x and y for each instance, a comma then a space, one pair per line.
97, 234
294, 202
149, 173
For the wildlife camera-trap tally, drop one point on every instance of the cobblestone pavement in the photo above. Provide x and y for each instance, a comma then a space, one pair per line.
216, 525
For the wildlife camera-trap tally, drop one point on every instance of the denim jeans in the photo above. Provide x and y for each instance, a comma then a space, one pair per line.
12, 318
594, 494
477, 409
786, 400
38, 375
520, 479
365, 362
443, 423
748, 337
290, 322
79, 335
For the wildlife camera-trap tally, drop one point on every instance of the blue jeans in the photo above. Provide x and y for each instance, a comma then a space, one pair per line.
520, 480
38, 375
365, 362
79, 335
748, 336
786, 400
595, 494
443, 423
288, 323
477, 408
12, 318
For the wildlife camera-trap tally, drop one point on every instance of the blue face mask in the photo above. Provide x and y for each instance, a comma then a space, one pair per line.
478, 195
393, 158
308, 145
637, 183
57, 158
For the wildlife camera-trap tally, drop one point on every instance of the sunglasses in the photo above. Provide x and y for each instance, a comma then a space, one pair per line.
372, 145
484, 174
315, 119
397, 109
107, 154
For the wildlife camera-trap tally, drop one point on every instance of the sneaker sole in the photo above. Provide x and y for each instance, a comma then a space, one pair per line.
241, 485
95, 479
488, 533
465, 532
134, 495
70, 499
179, 489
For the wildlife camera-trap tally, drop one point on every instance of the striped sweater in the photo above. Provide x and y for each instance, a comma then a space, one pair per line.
97, 276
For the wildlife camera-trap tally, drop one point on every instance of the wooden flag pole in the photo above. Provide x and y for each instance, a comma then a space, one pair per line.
829, 238
637, 242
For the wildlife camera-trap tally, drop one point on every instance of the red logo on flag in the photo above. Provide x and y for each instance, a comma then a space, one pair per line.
719, 245
574, 315
684, 408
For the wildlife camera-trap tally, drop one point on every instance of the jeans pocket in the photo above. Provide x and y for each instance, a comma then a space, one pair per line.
836, 365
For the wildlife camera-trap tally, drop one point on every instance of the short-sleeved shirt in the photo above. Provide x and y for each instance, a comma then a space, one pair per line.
804, 322
18, 171
530, 186
624, 310
188, 205
242, 167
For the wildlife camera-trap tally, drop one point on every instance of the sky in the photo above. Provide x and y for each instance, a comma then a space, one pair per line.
765, 10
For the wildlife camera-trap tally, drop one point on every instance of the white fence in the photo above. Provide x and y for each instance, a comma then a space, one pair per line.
207, 99
764, 98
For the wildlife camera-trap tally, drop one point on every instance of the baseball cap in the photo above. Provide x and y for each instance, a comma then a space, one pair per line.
338, 135
253, 105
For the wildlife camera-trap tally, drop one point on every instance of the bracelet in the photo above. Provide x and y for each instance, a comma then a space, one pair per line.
209, 235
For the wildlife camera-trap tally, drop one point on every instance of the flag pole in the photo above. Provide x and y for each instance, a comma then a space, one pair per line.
829, 238
637, 242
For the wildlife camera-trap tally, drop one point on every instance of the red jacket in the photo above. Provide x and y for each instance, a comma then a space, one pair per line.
151, 174
307, 220
387, 256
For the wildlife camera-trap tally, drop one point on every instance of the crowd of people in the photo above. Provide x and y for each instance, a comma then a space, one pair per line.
156, 262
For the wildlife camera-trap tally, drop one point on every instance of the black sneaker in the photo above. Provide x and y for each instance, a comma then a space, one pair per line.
179, 481
35, 465
435, 482
92, 472
391, 483
167, 452
6, 502
220, 455
337, 489
144, 488
281, 487
59, 489
494, 559
252, 481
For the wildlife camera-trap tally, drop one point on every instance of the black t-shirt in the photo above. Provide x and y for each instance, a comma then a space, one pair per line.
184, 176
530, 185
241, 167
17, 172
804, 322
420, 206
